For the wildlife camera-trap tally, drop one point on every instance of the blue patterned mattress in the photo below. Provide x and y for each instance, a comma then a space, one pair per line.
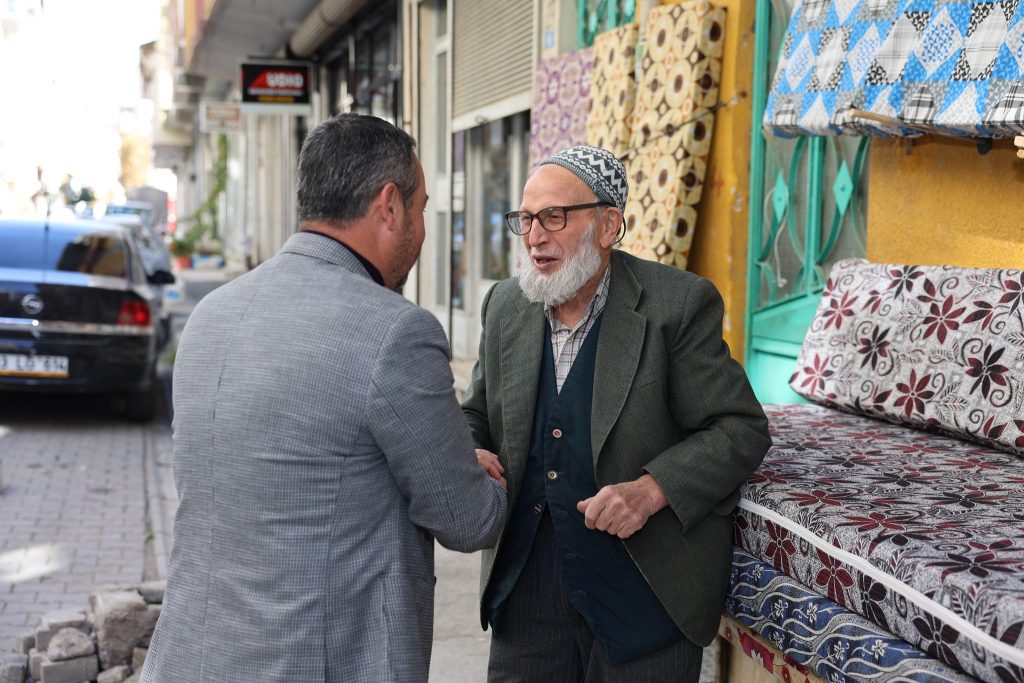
827, 638
918, 533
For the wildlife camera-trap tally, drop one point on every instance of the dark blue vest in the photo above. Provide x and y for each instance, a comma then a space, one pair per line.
603, 583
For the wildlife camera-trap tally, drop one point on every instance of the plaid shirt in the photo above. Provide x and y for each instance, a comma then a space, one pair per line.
566, 343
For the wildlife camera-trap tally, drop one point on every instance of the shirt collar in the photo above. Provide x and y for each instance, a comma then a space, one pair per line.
370, 268
594, 309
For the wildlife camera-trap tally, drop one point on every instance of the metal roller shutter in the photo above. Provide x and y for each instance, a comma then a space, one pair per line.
492, 52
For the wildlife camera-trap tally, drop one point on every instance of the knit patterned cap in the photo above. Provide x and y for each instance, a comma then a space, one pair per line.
598, 168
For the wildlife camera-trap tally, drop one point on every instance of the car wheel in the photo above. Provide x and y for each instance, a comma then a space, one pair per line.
140, 406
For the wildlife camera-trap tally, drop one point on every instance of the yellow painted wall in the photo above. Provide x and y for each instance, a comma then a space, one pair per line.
944, 203
719, 250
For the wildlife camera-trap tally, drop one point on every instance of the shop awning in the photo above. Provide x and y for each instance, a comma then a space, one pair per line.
900, 67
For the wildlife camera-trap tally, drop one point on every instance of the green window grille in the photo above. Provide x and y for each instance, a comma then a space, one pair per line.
598, 16
807, 210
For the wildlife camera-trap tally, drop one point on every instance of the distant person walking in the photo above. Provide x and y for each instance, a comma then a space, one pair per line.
41, 197
318, 445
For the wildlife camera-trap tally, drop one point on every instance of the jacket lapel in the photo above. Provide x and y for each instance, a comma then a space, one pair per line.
618, 352
522, 339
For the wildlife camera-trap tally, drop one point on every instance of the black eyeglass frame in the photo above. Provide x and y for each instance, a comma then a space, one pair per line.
513, 218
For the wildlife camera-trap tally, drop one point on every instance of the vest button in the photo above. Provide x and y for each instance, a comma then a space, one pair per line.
552, 475
557, 433
538, 508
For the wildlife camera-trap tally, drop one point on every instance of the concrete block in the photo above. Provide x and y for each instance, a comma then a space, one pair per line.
70, 670
121, 620
116, 675
43, 635
69, 643
65, 618
153, 591
139, 658
152, 616
35, 663
14, 668
25, 642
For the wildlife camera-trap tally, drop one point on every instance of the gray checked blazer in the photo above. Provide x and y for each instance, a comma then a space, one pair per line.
318, 452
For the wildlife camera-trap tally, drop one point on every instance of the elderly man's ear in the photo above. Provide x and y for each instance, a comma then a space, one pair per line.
611, 222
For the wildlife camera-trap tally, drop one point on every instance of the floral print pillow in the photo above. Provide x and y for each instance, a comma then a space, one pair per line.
936, 347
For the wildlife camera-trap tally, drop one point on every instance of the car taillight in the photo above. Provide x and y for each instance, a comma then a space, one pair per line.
133, 313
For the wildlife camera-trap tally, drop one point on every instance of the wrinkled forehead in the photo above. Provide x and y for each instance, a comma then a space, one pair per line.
552, 185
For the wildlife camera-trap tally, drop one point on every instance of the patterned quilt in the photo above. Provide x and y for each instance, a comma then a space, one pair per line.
821, 635
920, 533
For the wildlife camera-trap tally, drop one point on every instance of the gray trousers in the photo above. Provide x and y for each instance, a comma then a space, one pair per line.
541, 638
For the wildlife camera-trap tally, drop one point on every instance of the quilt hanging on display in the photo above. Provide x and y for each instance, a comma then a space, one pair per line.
612, 89
911, 66
561, 103
671, 129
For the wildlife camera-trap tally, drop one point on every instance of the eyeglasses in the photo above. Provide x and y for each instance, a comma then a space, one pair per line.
551, 219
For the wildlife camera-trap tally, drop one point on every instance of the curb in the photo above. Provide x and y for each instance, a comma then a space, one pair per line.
161, 499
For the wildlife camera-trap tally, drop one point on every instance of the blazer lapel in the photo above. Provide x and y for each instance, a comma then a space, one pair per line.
618, 352
522, 339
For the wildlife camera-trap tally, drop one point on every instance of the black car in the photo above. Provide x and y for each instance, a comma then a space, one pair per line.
78, 312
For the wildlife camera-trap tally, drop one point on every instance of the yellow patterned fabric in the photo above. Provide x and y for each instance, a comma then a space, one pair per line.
671, 129
612, 86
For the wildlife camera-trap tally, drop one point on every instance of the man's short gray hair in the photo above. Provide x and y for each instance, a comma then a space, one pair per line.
346, 160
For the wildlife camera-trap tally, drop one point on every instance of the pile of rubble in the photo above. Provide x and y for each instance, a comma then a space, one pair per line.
107, 643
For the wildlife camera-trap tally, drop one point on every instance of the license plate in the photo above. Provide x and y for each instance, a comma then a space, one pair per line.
17, 365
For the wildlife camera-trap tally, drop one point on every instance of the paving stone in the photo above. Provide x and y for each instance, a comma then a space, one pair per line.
70, 670
13, 668
116, 674
139, 658
59, 619
43, 635
153, 591
35, 663
69, 643
25, 642
121, 620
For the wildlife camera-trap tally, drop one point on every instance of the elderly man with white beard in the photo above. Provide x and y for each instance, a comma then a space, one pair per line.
607, 399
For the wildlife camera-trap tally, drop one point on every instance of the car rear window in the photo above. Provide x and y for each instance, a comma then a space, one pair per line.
95, 253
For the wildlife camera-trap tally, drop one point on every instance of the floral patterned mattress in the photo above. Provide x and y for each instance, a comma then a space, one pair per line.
920, 533
817, 633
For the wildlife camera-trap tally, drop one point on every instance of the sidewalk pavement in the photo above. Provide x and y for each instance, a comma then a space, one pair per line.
73, 509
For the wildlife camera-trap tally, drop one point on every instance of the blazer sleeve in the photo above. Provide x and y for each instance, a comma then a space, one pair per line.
713, 403
474, 404
416, 421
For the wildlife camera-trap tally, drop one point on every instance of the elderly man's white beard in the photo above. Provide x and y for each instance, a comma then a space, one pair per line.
562, 285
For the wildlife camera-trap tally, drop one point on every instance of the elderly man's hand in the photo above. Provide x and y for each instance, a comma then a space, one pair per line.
492, 466
623, 509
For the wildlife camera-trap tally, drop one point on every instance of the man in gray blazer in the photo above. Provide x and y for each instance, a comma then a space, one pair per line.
318, 446
606, 397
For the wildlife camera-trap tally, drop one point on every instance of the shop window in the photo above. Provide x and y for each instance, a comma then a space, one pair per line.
459, 220
492, 139
365, 72
499, 148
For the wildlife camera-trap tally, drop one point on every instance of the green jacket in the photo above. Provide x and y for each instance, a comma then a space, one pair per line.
668, 400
